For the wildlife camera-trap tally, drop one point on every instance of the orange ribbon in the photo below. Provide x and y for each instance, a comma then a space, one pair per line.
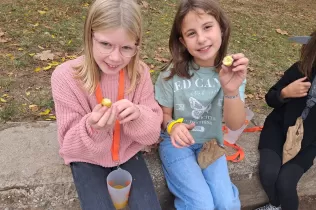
117, 128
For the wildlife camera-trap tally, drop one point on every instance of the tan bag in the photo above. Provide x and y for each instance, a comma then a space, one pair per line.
293, 141
210, 152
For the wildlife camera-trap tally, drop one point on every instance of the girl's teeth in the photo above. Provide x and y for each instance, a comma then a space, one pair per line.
204, 48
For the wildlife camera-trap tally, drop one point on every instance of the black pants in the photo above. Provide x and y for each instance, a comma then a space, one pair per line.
279, 182
90, 181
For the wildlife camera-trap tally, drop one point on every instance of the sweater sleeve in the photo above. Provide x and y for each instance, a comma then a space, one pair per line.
273, 97
75, 137
145, 129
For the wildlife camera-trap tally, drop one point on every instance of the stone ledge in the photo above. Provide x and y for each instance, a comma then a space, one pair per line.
33, 176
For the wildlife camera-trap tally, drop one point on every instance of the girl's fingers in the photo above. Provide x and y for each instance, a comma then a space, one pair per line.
238, 56
189, 136
112, 116
240, 68
97, 108
174, 143
128, 111
97, 114
184, 138
105, 117
241, 61
181, 141
128, 118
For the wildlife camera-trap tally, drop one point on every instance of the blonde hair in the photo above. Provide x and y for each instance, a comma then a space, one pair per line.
103, 15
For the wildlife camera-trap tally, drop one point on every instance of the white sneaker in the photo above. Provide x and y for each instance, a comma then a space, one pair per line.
269, 207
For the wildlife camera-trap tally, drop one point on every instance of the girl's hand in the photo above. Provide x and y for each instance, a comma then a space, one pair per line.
232, 77
180, 135
127, 110
102, 116
296, 89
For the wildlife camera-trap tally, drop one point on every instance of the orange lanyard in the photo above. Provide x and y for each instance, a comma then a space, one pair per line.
117, 128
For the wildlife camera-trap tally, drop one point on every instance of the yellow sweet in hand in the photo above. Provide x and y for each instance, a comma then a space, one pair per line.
228, 60
106, 102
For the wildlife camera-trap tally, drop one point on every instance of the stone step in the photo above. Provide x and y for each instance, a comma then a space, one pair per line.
33, 176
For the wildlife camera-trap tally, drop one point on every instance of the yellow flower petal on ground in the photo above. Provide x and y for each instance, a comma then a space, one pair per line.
54, 63
41, 12
3, 100
47, 67
46, 112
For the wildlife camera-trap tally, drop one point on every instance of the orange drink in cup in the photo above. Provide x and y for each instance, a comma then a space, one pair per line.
119, 184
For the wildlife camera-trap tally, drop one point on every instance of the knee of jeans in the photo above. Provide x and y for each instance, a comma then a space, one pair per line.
201, 204
226, 204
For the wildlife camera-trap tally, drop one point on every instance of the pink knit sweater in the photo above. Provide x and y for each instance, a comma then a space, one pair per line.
78, 142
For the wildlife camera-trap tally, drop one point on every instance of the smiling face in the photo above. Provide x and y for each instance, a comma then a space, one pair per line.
202, 37
112, 62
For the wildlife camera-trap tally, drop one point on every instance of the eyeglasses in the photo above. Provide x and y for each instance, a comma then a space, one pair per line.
106, 48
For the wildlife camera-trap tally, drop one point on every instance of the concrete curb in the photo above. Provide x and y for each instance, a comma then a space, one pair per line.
33, 176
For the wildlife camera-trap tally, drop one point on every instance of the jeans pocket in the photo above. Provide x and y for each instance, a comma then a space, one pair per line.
170, 155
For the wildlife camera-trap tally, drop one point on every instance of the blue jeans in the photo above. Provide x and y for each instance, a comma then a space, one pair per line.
90, 181
195, 188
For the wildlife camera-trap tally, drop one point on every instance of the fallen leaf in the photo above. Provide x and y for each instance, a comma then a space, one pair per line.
151, 71
31, 54
41, 12
36, 24
69, 42
4, 40
28, 93
20, 49
51, 117
46, 112
53, 36
10, 56
160, 59
3, 100
1, 33
281, 32
152, 66
145, 57
145, 4
47, 67
5, 95
39, 46
37, 69
45, 55
249, 96
54, 63
85, 5
33, 107
250, 69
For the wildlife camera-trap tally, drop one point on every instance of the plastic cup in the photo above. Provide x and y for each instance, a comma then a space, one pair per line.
119, 184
